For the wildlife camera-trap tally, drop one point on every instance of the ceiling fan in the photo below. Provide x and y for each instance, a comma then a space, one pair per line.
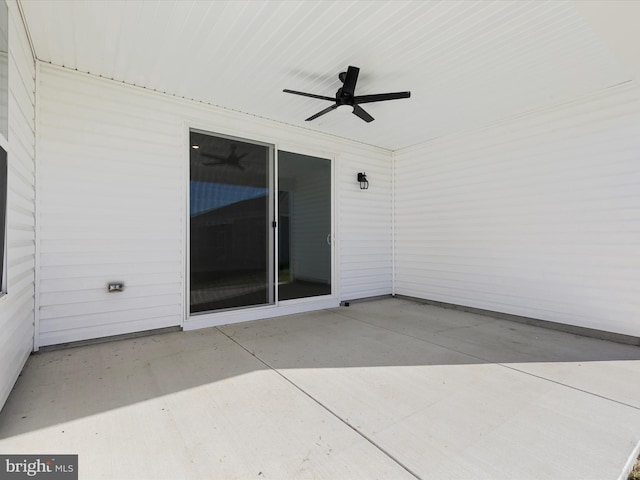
346, 97
231, 160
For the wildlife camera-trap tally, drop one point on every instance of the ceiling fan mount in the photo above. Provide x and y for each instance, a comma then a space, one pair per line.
345, 96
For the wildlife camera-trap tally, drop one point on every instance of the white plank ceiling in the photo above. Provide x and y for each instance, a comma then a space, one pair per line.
467, 64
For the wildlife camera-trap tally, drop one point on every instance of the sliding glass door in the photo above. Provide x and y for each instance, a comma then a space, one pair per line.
304, 240
231, 232
236, 235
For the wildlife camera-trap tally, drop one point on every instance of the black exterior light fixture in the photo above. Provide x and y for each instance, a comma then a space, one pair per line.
362, 180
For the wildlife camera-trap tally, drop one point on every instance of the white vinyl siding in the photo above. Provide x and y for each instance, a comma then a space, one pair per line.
536, 216
17, 306
113, 183
110, 209
365, 219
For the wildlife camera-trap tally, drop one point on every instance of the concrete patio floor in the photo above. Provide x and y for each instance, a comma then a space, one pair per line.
383, 389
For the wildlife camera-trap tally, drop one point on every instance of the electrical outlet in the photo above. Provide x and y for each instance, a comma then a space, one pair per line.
115, 287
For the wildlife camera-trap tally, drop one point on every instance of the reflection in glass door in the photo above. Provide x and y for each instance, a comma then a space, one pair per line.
304, 219
231, 235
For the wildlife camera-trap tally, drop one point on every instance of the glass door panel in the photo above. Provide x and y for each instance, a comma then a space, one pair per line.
304, 219
231, 236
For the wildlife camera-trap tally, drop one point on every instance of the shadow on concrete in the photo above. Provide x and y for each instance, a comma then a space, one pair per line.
60, 386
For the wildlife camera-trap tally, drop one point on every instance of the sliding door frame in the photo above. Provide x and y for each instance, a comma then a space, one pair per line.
278, 308
334, 276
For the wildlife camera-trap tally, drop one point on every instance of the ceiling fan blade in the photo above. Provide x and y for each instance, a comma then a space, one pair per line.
350, 80
321, 97
360, 112
381, 97
214, 156
326, 110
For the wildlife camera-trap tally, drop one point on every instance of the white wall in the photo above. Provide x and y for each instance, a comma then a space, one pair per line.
533, 216
17, 306
112, 198
366, 234
537, 216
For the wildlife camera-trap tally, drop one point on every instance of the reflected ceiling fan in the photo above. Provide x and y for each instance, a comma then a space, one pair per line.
231, 160
347, 99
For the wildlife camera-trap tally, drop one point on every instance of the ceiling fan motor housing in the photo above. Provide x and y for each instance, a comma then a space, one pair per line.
343, 98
